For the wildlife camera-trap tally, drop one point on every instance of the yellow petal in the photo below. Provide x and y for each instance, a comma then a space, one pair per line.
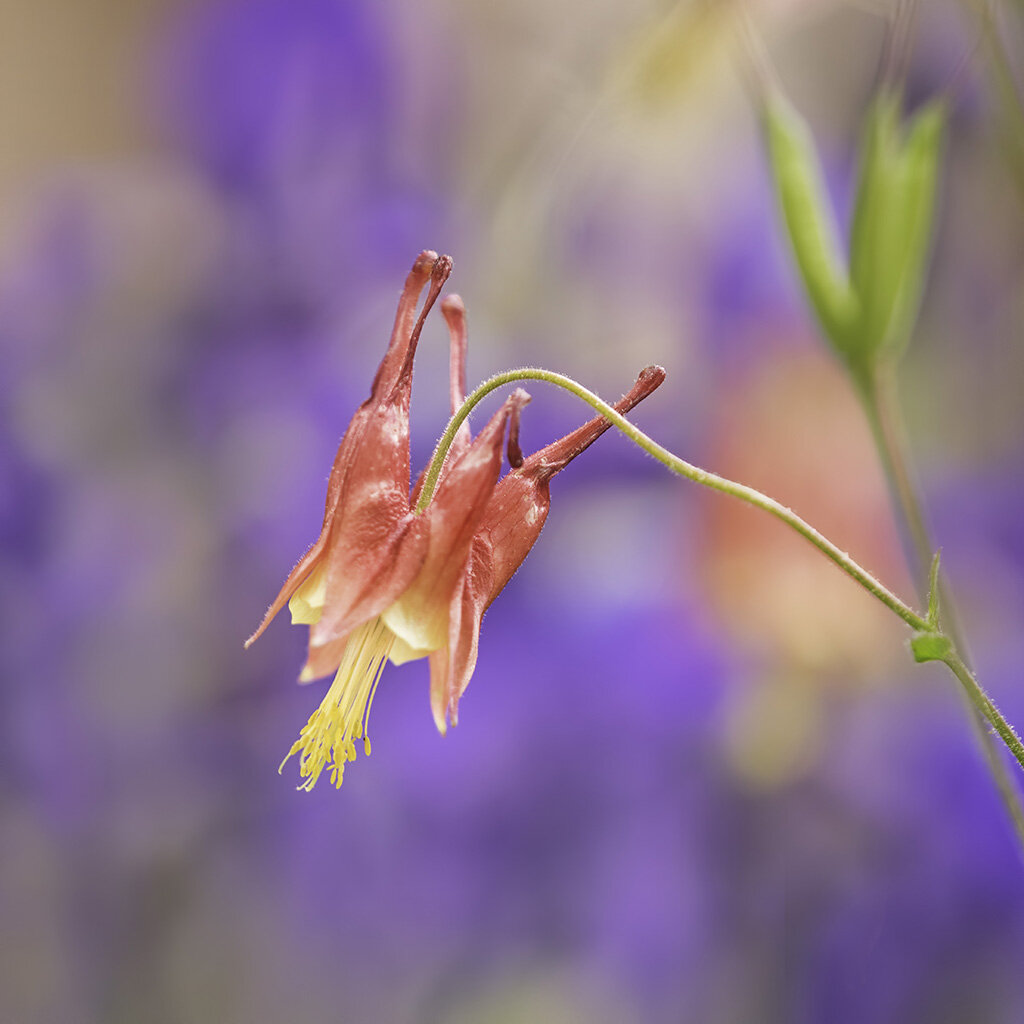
307, 603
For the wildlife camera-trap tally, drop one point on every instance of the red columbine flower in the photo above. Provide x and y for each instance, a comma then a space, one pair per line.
383, 581
373, 549
412, 624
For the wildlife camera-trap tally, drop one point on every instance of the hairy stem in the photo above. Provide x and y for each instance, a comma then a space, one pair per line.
983, 703
881, 407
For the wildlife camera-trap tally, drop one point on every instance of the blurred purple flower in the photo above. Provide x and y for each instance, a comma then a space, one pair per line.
265, 89
292, 111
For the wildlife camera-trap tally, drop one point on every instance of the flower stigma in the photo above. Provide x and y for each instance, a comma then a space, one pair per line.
328, 739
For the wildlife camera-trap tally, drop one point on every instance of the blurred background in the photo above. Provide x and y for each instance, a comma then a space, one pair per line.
697, 776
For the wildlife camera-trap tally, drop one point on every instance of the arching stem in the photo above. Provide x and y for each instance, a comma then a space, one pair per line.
681, 467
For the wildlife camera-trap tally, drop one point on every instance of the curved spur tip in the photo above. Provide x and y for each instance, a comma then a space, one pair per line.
442, 268
452, 305
425, 262
652, 375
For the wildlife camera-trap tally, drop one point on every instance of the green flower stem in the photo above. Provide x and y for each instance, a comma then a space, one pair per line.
676, 465
878, 393
748, 494
881, 403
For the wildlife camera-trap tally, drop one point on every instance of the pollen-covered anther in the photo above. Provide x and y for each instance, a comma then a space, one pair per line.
327, 741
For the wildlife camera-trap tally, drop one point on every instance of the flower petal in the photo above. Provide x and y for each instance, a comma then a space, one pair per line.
305, 565
557, 455
323, 660
378, 547
454, 311
369, 427
451, 667
455, 317
520, 503
420, 615
406, 332
395, 369
378, 553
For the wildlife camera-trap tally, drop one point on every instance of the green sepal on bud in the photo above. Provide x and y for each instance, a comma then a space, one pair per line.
803, 200
871, 307
891, 231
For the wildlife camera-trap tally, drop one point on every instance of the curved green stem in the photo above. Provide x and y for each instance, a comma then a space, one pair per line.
881, 408
677, 466
748, 494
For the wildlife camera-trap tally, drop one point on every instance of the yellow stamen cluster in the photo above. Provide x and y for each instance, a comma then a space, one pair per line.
328, 738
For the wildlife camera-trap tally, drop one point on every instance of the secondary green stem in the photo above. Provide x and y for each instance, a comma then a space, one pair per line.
748, 494
981, 700
1007, 91
881, 408
881, 403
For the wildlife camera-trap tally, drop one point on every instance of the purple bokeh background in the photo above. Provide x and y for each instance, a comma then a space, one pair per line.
610, 834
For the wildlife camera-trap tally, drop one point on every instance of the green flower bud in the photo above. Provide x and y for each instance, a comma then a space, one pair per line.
870, 309
922, 158
799, 185
892, 222
876, 234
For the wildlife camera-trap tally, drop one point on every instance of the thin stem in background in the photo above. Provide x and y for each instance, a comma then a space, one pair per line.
881, 403
1008, 92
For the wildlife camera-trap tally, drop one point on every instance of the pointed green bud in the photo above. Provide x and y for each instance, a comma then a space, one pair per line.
810, 224
892, 222
875, 236
921, 159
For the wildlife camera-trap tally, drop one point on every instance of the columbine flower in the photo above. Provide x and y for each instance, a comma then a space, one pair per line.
437, 544
382, 581
372, 547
